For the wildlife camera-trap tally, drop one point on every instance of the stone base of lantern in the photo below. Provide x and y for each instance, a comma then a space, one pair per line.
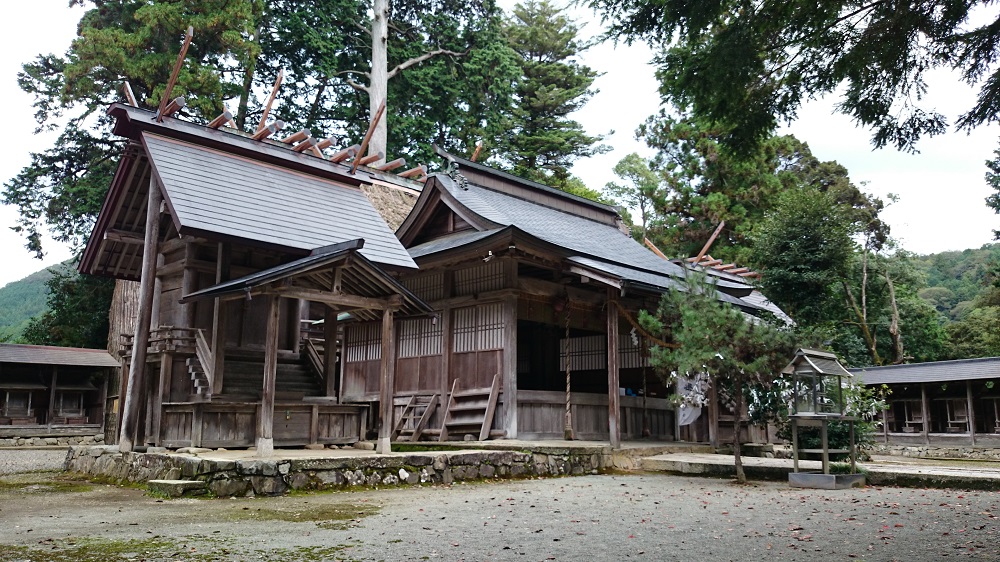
822, 481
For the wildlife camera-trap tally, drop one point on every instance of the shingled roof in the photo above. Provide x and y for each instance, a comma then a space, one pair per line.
586, 233
52, 355
935, 371
223, 185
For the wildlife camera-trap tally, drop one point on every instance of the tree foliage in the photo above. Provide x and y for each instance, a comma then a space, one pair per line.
746, 66
543, 141
77, 314
742, 356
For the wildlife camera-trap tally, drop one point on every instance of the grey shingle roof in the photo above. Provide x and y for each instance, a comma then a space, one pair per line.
52, 355
451, 241
936, 371
593, 240
211, 191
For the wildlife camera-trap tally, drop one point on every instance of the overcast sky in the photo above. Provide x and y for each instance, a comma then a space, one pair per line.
941, 190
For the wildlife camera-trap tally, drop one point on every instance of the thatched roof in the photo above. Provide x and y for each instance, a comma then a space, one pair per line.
393, 204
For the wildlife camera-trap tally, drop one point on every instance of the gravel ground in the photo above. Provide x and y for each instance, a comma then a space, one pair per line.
30, 460
608, 517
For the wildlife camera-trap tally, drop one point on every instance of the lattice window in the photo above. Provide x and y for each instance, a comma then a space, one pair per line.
474, 280
478, 328
630, 352
587, 353
428, 287
363, 342
419, 337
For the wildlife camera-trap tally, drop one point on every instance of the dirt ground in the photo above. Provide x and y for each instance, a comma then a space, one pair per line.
608, 517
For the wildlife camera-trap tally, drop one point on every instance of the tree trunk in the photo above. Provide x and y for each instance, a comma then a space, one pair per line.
741, 477
378, 84
897, 336
870, 341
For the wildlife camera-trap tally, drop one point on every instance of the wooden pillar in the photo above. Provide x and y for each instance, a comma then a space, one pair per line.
972, 411
137, 369
162, 395
189, 283
154, 316
885, 422
388, 383
265, 421
52, 395
510, 367
330, 350
713, 415
614, 412
219, 318
446, 346
925, 411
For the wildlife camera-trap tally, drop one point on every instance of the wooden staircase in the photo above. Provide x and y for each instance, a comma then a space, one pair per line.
471, 411
413, 421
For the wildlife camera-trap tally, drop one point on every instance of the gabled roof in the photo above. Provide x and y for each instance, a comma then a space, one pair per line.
52, 355
584, 232
935, 371
814, 360
317, 275
222, 185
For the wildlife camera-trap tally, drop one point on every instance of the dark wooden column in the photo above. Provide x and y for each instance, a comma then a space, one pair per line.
162, 395
222, 267
388, 384
265, 421
972, 411
614, 412
189, 283
52, 395
925, 411
330, 350
510, 367
713, 415
137, 370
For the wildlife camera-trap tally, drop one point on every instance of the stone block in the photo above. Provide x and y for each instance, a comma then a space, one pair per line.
330, 477
283, 467
440, 462
193, 450
177, 488
299, 481
373, 479
228, 487
315, 447
268, 485
419, 460
446, 476
365, 446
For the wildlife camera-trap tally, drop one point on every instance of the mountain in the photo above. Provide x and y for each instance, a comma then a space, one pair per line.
22, 300
956, 280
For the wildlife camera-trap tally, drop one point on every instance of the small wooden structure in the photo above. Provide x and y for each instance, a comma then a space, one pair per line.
52, 391
238, 243
818, 383
944, 403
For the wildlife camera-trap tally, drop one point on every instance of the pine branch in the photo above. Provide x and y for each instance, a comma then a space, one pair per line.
417, 60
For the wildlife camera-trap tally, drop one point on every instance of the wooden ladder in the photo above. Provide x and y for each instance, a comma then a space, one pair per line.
413, 420
471, 411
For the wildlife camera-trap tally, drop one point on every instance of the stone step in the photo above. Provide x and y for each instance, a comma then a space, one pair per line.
178, 488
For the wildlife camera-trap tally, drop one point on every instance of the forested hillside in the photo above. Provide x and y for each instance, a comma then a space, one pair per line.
22, 300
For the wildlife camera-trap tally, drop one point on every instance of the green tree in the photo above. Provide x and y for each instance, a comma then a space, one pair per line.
641, 191
746, 66
543, 141
742, 357
993, 179
77, 314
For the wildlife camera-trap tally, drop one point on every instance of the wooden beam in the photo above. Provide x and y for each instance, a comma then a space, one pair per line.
265, 422
724, 266
614, 411
711, 240
368, 135
324, 143
129, 96
297, 136
330, 350
348, 152
412, 172
124, 236
475, 153
223, 270
268, 130
174, 106
221, 120
509, 422
397, 163
971, 416
653, 247
925, 412
388, 383
173, 75
365, 160
52, 396
137, 369
270, 99
328, 297
306, 144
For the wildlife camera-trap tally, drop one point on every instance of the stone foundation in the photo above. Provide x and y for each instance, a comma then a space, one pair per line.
938, 452
61, 441
246, 477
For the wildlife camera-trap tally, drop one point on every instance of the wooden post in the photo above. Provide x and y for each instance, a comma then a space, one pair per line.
265, 422
163, 395
972, 412
189, 282
825, 443
885, 422
713, 415
219, 317
330, 350
52, 396
510, 367
388, 383
137, 370
614, 412
925, 411
795, 445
